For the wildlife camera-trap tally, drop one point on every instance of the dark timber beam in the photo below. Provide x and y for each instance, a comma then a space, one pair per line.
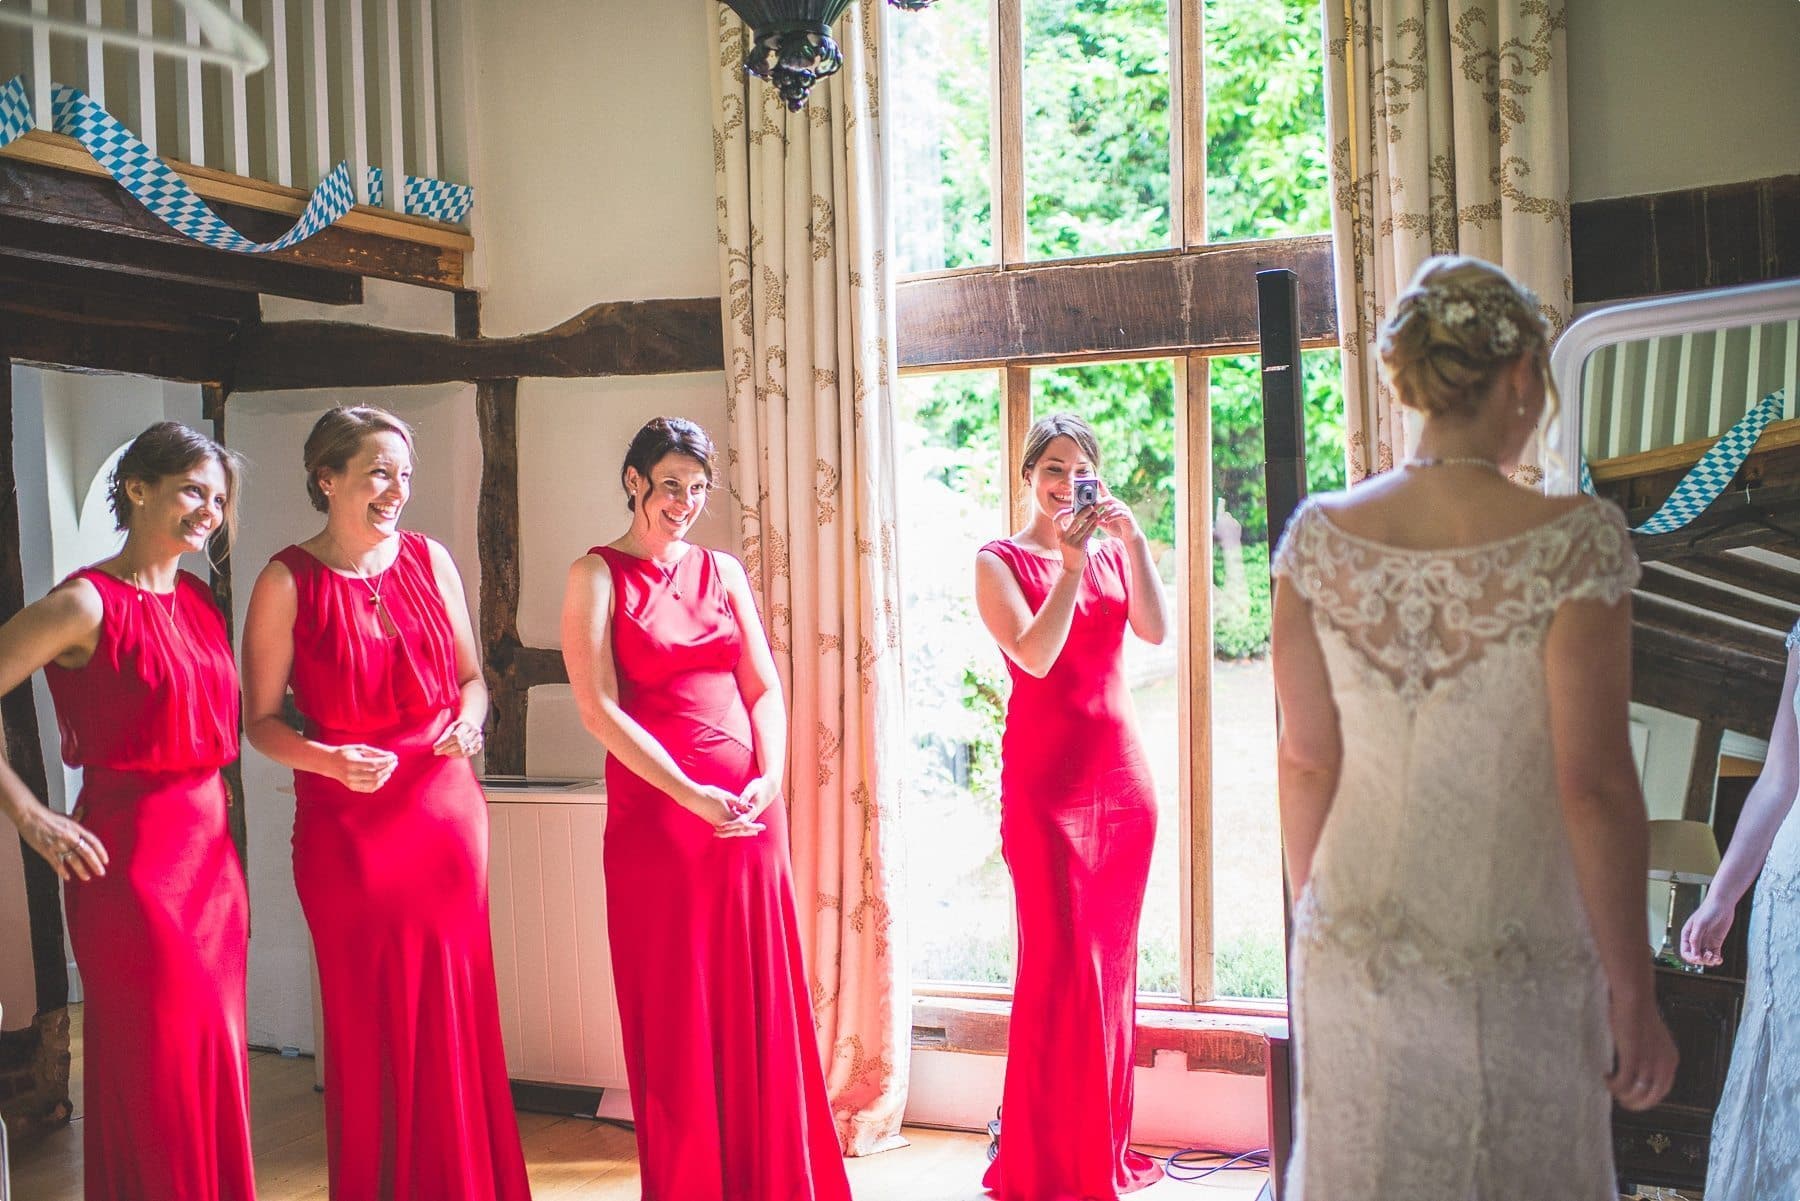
1659, 581
47, 195
497, 545
1708, 237
637, 337
1653, 612
196, 355
1142, 305
1697, 680
1739, 571
173, 258
212, 401
85, 290
1703, 772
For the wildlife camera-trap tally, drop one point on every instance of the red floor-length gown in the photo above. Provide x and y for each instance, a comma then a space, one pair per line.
160, 939
394, 885
727, 1091
1077, 822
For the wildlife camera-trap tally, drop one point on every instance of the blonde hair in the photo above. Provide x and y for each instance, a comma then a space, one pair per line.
1458, 326
337, 436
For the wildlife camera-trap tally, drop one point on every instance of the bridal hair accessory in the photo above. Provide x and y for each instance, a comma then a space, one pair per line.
1494, 307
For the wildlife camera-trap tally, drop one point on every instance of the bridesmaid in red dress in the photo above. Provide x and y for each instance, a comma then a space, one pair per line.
673, 675
368, 624
146, 695
1077, 821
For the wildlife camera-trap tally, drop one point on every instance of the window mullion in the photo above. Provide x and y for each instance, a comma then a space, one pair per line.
1187, 133
1009, 128
1015, 412
1193, 523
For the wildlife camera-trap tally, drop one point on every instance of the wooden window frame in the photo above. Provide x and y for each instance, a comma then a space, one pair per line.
1211, 288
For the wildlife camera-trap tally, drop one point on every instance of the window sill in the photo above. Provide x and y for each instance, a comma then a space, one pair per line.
1212, 1041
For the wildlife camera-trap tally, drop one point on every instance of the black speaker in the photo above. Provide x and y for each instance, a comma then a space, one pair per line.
1284, 418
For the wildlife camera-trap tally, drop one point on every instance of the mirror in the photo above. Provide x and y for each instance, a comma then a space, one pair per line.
1683, 412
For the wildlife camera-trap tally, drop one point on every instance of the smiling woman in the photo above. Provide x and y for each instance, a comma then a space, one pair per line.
139, 665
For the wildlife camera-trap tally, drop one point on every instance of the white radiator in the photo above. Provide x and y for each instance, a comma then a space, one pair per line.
551, 959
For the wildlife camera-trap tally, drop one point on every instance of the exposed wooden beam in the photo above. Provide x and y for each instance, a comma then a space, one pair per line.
1658, 581
1707, 237
1691, 678
1202, 299
640, 337
1653, 612
212, 408
24, 753
1742, 572
195, 354
77, 289
535, 665
1703, 772
497, 550
47, 195
173, 258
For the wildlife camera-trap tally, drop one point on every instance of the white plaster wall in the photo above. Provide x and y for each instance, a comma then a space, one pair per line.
602, 187
1668, 94
572, 439
270, 429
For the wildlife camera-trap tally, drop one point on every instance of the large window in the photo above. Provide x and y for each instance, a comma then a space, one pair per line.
1127, 134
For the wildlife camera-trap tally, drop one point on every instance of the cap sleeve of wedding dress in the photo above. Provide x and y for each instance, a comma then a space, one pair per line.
1793, 638
1447, 994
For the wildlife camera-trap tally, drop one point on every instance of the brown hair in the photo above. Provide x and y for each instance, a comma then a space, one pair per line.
337, 436
165, 449
1458, 326
1046, 430
662, 436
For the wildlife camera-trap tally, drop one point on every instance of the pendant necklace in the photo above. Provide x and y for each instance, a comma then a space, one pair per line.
168, 610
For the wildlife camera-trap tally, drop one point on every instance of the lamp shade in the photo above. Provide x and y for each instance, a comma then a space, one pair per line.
1683, 852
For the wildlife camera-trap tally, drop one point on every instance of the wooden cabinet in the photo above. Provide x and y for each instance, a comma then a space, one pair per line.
1667, 1145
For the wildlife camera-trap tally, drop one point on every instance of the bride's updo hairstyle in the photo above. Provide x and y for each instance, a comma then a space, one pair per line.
1456, 328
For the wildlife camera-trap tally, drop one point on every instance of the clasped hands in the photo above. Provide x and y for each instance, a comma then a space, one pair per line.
363, 768
734, 816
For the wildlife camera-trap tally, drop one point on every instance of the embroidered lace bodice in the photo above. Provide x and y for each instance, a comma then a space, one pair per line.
1444, 972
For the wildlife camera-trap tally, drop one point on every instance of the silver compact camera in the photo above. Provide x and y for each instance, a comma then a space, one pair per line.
1087, 492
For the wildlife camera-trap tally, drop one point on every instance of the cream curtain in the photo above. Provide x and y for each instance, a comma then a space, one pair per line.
808, 332
1449, 134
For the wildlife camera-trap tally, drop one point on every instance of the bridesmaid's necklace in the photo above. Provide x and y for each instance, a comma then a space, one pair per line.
379, 577
168, 610
666, 572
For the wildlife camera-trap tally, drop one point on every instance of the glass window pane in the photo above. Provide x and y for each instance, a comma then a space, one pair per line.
1265, 120
1247, 901
1132, 409
942, 197
1097, 164
951, 501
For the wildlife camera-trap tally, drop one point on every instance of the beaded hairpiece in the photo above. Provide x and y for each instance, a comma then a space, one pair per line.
1490, 305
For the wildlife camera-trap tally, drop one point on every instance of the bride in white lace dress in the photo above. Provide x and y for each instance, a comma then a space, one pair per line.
1755, 1153
1463, 824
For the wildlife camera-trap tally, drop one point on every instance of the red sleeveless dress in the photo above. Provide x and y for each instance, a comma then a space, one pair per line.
394, 885
160, 938
727, 1091
1077, 822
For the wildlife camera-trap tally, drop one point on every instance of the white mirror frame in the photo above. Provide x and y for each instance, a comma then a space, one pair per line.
1722, 308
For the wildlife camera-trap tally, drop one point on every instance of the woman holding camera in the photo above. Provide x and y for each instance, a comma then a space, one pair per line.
1077, 819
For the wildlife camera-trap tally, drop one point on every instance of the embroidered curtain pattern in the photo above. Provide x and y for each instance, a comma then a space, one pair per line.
1449, 134
810, 461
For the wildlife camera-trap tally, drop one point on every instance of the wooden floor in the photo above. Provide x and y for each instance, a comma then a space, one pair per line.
567, 1157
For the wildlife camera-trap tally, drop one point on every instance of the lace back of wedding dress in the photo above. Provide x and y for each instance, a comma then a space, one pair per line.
1449, 1003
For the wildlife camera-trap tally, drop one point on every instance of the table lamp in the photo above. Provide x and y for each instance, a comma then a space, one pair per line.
1681, 852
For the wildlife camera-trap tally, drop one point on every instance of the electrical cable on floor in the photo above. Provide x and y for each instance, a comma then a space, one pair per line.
1197, 1163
